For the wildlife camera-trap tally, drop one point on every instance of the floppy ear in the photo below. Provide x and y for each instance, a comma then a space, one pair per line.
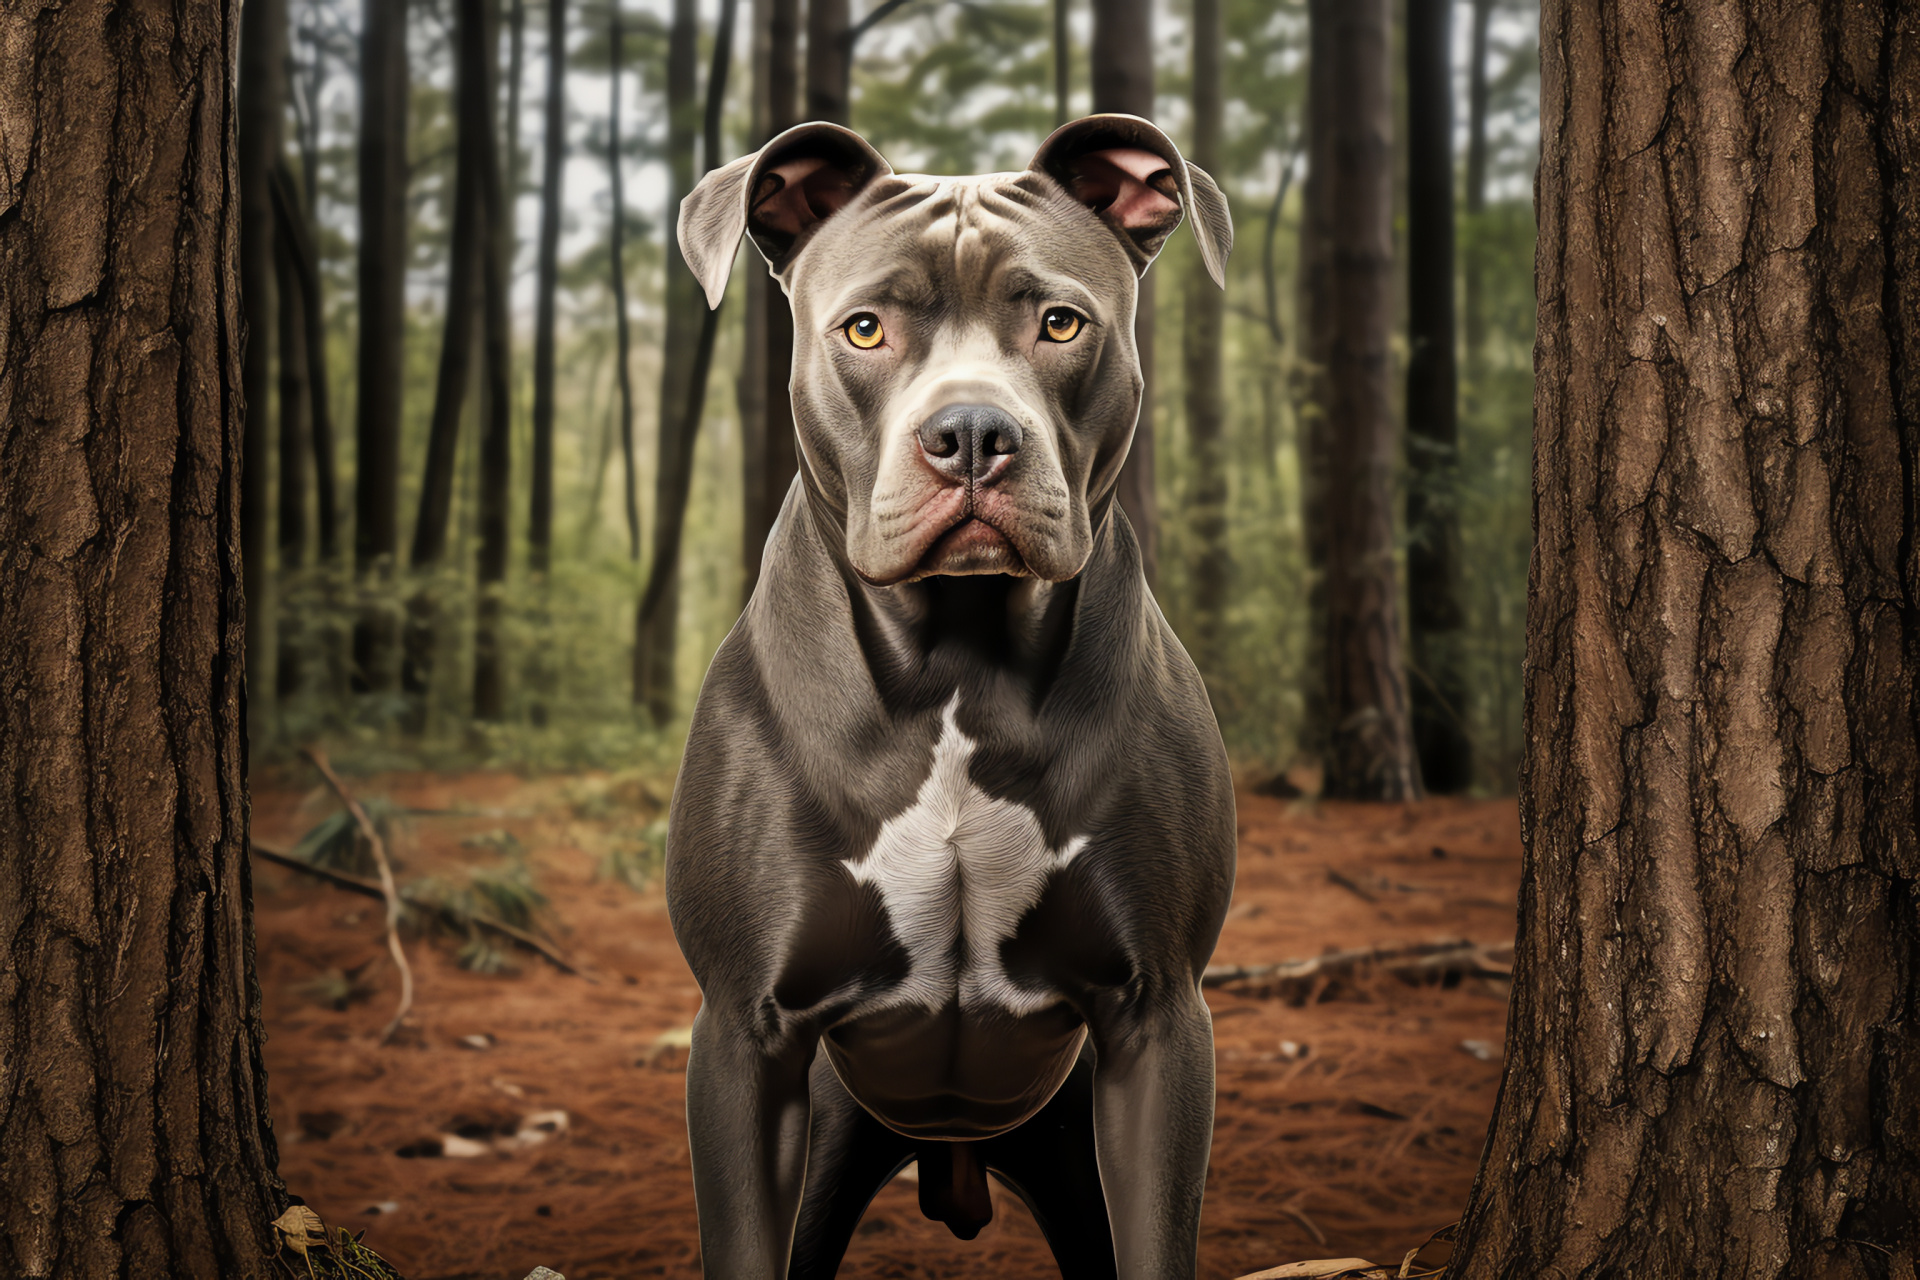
1132, 176
778, 195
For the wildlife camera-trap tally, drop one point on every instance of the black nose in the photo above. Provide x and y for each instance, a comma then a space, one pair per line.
968, 441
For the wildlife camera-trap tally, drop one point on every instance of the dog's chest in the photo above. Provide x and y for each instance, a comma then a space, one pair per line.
958, 870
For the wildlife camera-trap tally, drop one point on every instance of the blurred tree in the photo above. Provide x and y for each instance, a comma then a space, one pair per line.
1122, 58
830, 60
295, 434
1473, 266
768, 455
1435, 618
474, 109
1203, 338
263, 99
657, 619
1062, 60
1369, 752
132, 1099
617, 276
384, 90
546, 282
1713, 1062
496, 434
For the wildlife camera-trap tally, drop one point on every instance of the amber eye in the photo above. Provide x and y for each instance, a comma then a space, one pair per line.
864, 331
1061, 325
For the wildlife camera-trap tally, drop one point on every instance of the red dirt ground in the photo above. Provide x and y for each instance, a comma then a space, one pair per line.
1362, 1146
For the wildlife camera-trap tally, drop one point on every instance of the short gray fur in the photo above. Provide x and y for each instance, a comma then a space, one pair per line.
953, 805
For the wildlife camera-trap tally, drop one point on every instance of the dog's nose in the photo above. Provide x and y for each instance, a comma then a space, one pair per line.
969, 441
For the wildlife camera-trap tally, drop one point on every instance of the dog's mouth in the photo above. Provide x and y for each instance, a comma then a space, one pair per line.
970, 547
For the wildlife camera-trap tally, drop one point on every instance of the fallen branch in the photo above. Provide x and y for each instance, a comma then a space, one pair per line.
1439, 958
388, 889
371, 889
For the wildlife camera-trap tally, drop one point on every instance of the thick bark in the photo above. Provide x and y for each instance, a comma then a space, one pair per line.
496, 429
1122, 60
1714, 1048
263, 101
295, 453
473, 122
616, 255
546, 284
656, 620
1473, 266
132, 1095
829, 60
1201, 340
766, 408
383, 259
1435, 622
1370, 749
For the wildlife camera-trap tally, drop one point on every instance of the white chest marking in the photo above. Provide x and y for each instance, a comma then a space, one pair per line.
957, 871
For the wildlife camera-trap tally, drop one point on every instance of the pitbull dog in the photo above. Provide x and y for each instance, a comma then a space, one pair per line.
953, 807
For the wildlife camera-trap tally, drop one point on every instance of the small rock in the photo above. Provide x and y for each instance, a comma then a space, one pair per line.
1481, 1049
1293, 1049
542, 1273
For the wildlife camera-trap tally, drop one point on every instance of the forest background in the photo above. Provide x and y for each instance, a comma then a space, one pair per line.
458, 558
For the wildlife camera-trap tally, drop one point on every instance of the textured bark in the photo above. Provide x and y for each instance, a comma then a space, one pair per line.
829, 61
766, 408
546, 283
1714, 1048
383, 262
1122, 60
1201, 342
262, 101
1370, 749
132, 1097
657, 617
1435, 622
496, 420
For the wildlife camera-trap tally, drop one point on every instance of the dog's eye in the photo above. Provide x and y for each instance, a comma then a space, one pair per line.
864, 331
1061, 325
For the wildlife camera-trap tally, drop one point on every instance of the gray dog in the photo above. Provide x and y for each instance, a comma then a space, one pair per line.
954, 806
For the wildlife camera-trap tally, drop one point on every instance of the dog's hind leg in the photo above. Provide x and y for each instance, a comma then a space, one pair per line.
850, 1157
1049, 1162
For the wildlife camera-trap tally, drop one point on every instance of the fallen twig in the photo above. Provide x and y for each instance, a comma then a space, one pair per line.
388, 889
371, 888
1352, 886
1439, 958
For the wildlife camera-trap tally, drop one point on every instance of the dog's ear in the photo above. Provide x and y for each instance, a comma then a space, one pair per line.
1134, 178
778, 195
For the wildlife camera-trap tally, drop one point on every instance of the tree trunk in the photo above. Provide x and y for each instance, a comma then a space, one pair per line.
1309, 391
616, 252
383, 261
546, 284
296, 429
1201, 340
263, 103
829, 61
496, 433
295, 239
1473, 265
1122, 59
1370, 749
473, 121
1435, 622
766, 407
1714, 1049
132, 1094
657, 617
1062, 60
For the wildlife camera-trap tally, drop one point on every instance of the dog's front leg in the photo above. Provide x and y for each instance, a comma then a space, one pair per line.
1153, 1128
747, 1116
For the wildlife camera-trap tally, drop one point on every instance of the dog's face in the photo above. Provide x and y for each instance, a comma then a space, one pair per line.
964, 374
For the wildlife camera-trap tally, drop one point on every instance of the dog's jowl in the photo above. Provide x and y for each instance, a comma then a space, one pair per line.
953, 836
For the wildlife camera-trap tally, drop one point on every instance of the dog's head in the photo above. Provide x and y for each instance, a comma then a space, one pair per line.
965, 383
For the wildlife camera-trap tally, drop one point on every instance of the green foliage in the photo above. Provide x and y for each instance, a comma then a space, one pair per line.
336, 843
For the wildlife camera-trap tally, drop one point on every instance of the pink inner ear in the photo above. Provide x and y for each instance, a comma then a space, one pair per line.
809, 191
1119, 184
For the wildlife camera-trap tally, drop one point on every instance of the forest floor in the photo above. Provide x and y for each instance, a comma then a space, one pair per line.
1350, 1117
